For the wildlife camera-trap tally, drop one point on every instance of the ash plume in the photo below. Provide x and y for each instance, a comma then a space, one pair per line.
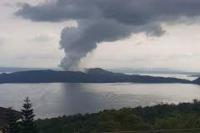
106, 20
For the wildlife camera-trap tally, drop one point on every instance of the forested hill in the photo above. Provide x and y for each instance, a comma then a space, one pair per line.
184, 116
4, 114
96, 75
197, 81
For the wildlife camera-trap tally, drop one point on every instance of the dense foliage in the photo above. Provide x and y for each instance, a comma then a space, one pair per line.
27, 124
13, 125
20, 122
164, 116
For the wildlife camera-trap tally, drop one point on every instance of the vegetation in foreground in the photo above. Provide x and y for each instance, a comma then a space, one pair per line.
20, 122
164, 116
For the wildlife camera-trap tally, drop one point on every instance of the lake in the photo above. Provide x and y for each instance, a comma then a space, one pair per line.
57, 99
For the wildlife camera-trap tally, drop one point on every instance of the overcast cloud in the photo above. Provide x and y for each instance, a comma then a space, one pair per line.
106, 21
103, 33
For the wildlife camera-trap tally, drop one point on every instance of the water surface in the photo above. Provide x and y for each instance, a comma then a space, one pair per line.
56, 99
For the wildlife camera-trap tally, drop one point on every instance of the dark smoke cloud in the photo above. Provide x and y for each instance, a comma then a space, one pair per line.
107, 20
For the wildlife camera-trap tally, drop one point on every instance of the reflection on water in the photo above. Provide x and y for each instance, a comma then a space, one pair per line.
57, 99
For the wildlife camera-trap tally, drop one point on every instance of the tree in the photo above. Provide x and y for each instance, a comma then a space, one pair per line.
28, 125
12, 118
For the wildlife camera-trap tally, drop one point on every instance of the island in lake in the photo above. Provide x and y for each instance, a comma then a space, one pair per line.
96, 75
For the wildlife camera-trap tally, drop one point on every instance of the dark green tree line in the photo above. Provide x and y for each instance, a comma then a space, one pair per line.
12, 119
23, 122
27, 124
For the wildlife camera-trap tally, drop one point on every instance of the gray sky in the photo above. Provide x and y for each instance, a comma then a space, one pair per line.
32, 40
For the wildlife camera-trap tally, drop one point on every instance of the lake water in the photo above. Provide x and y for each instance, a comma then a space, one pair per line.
56, 99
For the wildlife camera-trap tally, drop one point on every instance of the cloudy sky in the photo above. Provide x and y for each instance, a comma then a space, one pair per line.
100, 33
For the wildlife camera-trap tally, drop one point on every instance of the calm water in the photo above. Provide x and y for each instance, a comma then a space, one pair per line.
57, 99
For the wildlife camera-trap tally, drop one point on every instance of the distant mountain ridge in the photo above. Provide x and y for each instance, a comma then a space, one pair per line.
16, 69
197, 81
96, 75
154, 71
